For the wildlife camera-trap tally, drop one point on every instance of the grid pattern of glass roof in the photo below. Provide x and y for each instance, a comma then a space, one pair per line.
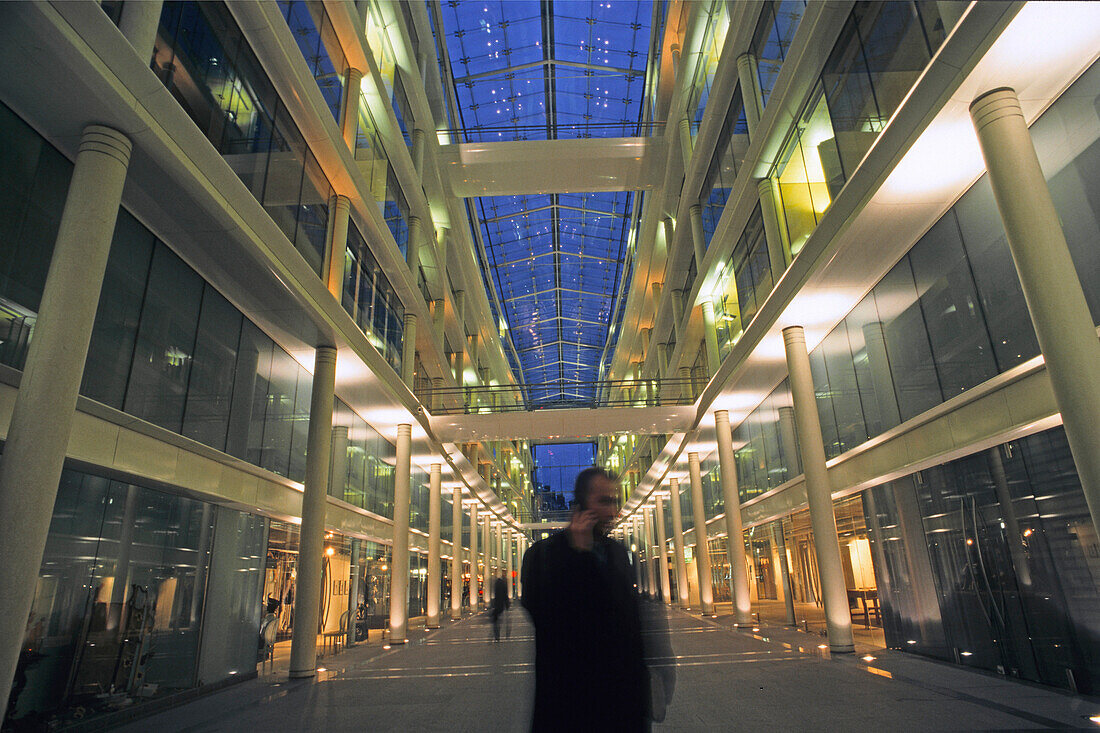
555, 69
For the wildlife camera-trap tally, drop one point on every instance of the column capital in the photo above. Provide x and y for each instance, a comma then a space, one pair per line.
108, 141
722, 416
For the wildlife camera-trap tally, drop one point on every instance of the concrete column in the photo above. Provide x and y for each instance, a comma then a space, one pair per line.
1048, 277
456, 554
698, 238
784, 570
439, 321
636, 543
779, 253
662, 360
788, 439
662, 550
399, 567
678, 314
669, 227
686, 390
710, 336
408, 350
437, 394
349, 106
460, 365
139, 22
838, 618
34, 452
508, 566
353, 593
412, 249
435, 527
339, 217
735, 545
750, 91
651, 555
487, 557
522, 550
684, 129
702, 554
311, 545
338, 463
678, 544
418, 153
473, 558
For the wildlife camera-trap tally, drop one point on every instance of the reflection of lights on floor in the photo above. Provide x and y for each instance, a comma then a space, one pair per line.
868, 658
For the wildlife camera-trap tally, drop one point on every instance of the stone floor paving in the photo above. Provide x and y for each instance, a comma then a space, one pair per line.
457, 679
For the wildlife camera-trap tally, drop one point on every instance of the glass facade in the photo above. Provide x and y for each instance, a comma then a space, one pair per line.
714, 38
127, 586
733, 141
990, 561
204, 60
779, 20
309, 22
371, 300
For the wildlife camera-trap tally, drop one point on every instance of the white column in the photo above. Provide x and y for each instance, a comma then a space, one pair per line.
508, 564
636, 542
418, 152
487, 554
838, 618
38, 436
337, 244
474, 528
521, 552
702, 553
662, 550
678, 544
698, 239
784, 570
353, 593
1048, 277
139, 22
788, 440
651, 555
710, 336
412, 249
750, 91
735, 544
684, 129
311, 546
399, 567
349, 107
435, 531
779, 252
456, 554
408, 350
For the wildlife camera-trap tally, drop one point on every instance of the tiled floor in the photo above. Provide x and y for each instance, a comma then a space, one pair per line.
456, 679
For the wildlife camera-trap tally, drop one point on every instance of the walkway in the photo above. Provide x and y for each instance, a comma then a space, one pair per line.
456, 679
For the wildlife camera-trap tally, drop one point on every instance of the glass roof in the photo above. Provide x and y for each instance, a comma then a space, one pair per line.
555, 69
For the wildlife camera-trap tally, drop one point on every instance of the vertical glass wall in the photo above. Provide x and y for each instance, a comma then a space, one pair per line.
309, 22
204, 60
765, 445
127, 589
733, 141
878, 57
714, 38
371, 300
369, 479
989, 561
378, 39
771, 40
744, 282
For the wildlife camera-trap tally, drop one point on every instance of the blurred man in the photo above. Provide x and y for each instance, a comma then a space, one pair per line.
590, 660
500, 603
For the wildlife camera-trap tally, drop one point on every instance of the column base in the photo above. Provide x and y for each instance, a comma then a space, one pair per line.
842, 648
456, 615
431, 626
301, 674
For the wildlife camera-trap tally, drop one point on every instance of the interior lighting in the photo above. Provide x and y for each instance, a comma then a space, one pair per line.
330, 551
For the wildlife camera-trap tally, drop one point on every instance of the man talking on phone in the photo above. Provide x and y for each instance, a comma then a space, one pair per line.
590, 652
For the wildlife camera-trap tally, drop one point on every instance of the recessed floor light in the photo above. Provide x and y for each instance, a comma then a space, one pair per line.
822, 646
868, 658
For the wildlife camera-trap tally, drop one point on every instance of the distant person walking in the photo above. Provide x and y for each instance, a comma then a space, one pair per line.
500, 603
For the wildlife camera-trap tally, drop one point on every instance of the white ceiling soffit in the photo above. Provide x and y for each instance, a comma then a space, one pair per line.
553, 166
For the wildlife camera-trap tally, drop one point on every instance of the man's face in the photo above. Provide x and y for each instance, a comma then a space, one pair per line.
603, 499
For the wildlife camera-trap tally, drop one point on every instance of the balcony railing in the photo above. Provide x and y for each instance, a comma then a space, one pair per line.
563, 395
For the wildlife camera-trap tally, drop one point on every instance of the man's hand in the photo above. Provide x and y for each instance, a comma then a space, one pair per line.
581, 528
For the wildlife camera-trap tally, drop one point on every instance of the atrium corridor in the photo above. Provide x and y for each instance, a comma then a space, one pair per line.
775, 679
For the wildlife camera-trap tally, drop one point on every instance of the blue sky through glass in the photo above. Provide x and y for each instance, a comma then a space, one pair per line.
526, 70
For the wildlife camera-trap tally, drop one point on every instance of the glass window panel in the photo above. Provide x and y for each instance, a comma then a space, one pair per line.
165, 347
210, 391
